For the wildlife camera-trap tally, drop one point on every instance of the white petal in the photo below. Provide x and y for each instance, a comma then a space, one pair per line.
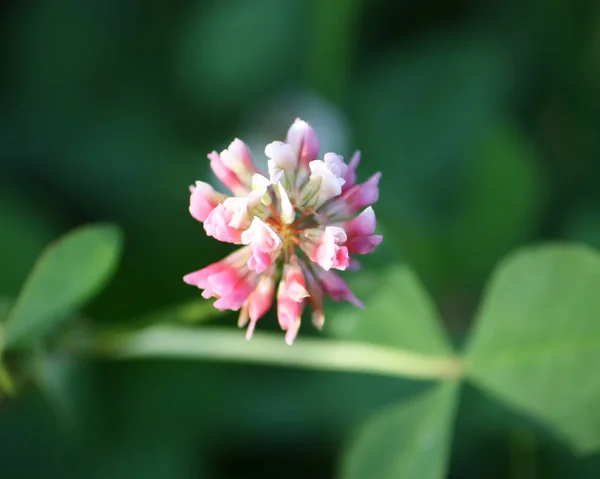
260, 181
339, 234
287, 210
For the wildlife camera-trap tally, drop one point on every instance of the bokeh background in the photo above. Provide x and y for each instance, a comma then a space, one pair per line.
482, 115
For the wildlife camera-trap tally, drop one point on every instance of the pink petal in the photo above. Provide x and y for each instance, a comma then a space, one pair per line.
292, 332
327, 252
354, 265
199, 278
354, 199
364, 244
324, 255
337, 288
315, 298
224, 282
293, 284
265, 243
341, 259
261, 299
364, 224
235, 261
350, 176
259, 260
203, 200
304, 141
235, 299
241, 152
367, 193
289, 314
217, 225
226, 176
262, 236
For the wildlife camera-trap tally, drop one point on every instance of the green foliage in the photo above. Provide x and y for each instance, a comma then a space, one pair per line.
483, 118
26, 228
502, 157
536, 346
409, 439
535, 330
260, 59
400, 314
418, 119
67, 275
5, 305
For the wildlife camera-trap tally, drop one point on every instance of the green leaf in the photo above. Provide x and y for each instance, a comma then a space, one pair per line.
400, 314
410, 439
536, 344
67, 275
5, 305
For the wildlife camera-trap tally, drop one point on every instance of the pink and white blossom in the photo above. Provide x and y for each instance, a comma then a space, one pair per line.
265, 245
360, 231
228, 280
282, 162
306, 219
350, 176
326, 180
226, 176
315, 299
204, 199
291, 296
304, 141
327, 249
354, 199
239, 160
333, 284
258, 303
287, 209
228, 220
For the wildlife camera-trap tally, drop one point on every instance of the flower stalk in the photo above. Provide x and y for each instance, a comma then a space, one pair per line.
219, 344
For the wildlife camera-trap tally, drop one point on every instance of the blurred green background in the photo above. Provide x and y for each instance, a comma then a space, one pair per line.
482, 115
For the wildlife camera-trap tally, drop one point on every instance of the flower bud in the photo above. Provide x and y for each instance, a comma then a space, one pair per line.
326, 180
287, 210
350, 176
290, 299
239, 160
282, 163
258, 303
265, 245
226, 176
304, 141
203, 200
361, 239
228, 220
354, 200
336, 287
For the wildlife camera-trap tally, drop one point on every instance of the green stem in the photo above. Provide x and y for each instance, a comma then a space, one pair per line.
270, 349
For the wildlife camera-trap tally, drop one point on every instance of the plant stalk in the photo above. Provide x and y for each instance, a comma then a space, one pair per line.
164, 341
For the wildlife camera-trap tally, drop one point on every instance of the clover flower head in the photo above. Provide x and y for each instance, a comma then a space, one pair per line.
297, 225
